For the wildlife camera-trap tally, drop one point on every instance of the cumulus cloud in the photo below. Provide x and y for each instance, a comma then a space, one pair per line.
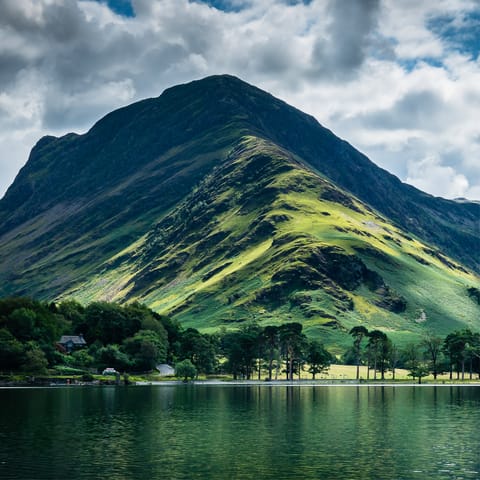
391, 77
430, 175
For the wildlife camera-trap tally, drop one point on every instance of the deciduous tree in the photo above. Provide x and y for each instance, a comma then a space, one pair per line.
432, 346
293, 342
358, 333
318, 358
146, 349
270, 336
186, 370
377, 346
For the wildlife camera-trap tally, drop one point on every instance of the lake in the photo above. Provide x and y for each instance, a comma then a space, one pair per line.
240, 432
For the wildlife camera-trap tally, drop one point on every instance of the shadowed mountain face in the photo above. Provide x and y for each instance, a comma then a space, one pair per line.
217, 202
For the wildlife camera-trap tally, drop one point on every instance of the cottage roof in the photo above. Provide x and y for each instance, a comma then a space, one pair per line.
75, 339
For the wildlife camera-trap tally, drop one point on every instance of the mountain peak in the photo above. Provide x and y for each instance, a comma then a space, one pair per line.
221, 82
222, 79
216, 197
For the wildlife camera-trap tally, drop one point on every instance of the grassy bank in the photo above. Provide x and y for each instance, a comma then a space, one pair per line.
335, 374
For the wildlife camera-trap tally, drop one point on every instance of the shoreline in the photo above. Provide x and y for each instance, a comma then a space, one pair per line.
45, 383
309, 383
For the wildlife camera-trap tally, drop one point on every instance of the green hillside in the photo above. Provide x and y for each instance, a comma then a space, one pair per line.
265, 238
217, 203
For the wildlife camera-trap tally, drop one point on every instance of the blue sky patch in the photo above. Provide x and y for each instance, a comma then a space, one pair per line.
226, 5
239, 5
462, 35
120, 7
411, 63
125, 8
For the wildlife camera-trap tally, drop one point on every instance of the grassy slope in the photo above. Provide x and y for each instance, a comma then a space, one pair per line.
65, 243
258, 238
111, 214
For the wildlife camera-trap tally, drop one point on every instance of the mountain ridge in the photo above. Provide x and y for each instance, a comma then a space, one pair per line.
349, 163
85, 208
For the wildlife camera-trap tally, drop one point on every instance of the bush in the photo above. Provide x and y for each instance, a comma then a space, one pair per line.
111, 356
185, 369
35, 360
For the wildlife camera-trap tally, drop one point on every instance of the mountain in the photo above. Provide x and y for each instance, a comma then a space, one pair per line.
218, 203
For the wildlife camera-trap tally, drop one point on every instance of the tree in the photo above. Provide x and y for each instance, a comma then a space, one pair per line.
200, 349
232, 350
109, 323
35, 360
271, 342
174, 332
472, 350
112, 356
146, 349
393, 359
450, 350
454, 347
432, 346
241, 349
420, 371
74, 313
11, 351
185, 369
292, 341
250, 334
29, 319
140, 317
21, 323
415, 363
377, 346
81, 358
260, 350
318, 358
358, 333
475, 351
385, 354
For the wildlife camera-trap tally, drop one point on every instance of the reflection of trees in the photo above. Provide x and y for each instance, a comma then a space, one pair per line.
266, 432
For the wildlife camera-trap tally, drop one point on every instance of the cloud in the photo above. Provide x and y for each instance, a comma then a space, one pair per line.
430, 175
348, 35
416, 109
404, 92
76, 108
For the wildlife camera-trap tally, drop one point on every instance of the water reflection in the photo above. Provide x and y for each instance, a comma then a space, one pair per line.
288, 432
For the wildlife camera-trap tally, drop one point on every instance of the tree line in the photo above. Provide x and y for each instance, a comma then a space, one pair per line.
128, 338
133, 338
458, 352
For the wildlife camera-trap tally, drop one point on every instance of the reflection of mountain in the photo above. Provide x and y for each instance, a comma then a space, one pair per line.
216, 202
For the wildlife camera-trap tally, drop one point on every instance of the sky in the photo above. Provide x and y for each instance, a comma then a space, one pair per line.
399, 80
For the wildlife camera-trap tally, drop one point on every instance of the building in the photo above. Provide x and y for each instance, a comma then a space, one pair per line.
69, 343
165, 370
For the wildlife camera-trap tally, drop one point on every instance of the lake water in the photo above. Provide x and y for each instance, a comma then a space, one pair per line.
240, 432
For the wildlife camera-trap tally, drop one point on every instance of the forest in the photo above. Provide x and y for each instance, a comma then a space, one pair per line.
134, 339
